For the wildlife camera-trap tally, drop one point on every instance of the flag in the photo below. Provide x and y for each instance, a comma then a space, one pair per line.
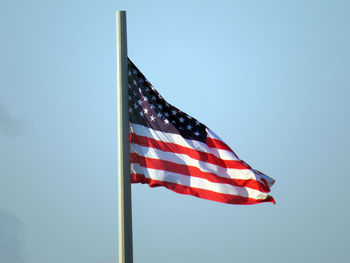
172, 149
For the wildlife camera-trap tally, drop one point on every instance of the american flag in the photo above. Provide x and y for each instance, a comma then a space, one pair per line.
172, 149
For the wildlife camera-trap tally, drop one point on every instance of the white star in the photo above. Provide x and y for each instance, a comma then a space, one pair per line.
130, 109
145, 98
141, 113
159, 115
160, 106
189, 117
139, 101
151, 106
140, 90
145, 110
189, 127
129, 73
147, 89
129, 97
173, 112
152, 118
181, 119
166, 121
166, 114
196, 133
197, 123
154, 97
134, 81
135, 105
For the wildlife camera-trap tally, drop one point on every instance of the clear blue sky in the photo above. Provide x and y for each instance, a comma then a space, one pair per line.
271, 78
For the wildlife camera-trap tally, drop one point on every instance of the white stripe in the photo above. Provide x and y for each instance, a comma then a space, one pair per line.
244, 174
178, 139
195, 182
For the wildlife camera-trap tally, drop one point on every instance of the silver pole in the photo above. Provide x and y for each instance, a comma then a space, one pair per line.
124, 189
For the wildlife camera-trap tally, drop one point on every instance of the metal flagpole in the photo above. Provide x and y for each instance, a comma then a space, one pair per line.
124, 188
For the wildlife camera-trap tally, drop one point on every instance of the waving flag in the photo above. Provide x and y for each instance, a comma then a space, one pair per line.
171, 149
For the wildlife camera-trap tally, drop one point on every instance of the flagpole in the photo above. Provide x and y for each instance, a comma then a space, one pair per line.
124, 188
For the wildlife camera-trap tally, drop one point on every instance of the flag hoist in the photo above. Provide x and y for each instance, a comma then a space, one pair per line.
170, 148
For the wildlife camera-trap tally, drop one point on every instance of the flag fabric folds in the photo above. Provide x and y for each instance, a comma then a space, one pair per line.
172, 149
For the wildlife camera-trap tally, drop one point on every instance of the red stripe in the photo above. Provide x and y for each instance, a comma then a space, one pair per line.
214, 143
175, 148
201, 193
195, 172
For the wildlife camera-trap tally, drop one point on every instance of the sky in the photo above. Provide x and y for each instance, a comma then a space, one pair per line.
271, 78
